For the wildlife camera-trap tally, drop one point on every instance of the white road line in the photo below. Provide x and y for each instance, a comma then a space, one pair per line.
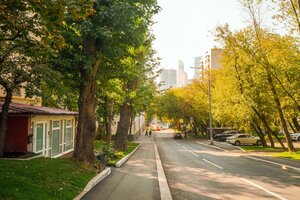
212, 163
162, 181
211, 146
193, 153
275, 163
186, 149
264, 189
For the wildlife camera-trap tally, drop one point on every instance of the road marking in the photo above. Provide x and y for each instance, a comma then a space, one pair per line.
162, 181
211, 146
264, 189
186, 149
275, 163
212, 163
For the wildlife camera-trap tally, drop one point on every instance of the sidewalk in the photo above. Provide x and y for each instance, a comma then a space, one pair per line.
135, 180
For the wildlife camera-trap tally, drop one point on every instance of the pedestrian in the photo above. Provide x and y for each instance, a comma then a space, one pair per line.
146, 134
150, 132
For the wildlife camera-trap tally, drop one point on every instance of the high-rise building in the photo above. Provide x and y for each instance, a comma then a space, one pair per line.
197, 62
182, 75
211, 60
168, 77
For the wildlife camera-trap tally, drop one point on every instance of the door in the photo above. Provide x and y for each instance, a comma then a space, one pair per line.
55, 138
40, 137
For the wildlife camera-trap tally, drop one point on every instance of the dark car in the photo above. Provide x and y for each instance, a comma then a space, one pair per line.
177, 136
221, 137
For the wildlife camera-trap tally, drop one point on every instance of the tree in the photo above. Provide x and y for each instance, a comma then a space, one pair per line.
139, 67
289, 13
99, 41
27, 27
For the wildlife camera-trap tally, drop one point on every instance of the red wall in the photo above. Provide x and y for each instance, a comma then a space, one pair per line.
17, 134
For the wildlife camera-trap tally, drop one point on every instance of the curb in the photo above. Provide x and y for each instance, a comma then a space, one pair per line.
123, 160
283, 166
230, 145
211, 146
94, 182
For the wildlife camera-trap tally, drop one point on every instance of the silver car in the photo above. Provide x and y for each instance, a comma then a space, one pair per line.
295, 136
239, 139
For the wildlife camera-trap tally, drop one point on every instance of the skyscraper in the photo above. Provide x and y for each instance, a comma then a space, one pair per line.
197, 62
168, 77
182, 75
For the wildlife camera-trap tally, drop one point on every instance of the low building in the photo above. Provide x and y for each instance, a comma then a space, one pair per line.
41, 130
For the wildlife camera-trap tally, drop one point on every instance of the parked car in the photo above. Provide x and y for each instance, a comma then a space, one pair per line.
221, 137
177, 136
239, 139
295, 136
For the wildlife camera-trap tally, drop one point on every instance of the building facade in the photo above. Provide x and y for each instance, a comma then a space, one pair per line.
211, 60
182, 75
168, 78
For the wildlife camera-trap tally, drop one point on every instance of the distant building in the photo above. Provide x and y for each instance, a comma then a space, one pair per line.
211, 60
182, 75
19, 96
197, 62
168, 77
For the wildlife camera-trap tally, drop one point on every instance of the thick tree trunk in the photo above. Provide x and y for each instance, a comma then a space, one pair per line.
86, 129
4, 118
123, 127
125, 115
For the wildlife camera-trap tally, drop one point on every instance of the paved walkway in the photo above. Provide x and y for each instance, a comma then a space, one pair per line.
135, 180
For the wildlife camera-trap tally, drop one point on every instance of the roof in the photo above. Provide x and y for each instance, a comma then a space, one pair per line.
18, 108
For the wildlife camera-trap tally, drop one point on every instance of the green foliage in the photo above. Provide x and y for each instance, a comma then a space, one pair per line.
112, 155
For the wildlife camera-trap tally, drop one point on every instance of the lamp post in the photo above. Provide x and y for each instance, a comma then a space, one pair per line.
209, 103
211, 141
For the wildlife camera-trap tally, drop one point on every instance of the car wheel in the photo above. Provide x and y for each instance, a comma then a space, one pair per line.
299, 138
258, 143
237, 143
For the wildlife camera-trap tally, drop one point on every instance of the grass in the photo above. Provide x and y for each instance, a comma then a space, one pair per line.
114, 156
293, 156
261, 148
43, 178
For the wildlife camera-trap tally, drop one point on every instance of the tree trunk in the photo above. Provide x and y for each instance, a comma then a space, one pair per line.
108, 123
292, 127
125, 116
4, 118
260, 133
295, 122
123, 127
280, 112
86, 129
265, 123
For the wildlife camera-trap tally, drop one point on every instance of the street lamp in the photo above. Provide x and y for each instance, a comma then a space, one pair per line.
211, 141
209, 102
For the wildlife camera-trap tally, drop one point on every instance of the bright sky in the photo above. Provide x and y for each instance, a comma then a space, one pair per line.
184, 28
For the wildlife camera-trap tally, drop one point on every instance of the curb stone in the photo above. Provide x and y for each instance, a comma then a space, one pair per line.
94, 182
123, 160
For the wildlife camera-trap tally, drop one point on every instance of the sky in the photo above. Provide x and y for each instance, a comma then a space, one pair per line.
183, 28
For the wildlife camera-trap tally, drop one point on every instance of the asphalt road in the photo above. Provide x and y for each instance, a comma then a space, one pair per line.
195, 171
